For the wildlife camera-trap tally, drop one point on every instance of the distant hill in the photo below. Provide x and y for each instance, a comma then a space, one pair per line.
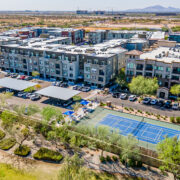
155, 9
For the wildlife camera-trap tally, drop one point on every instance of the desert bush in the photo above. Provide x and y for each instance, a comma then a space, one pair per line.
172, 119
47, 154
178, 119
7, 144
22, 150
2, 134
102, 159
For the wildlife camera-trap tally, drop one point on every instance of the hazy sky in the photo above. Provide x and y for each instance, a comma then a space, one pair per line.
83, 4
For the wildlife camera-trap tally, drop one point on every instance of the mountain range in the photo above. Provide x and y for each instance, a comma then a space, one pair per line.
155, 9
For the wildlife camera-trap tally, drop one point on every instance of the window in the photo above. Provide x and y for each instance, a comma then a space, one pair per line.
149, 67
57, 66
88, 76
168, 69
159, 68
88, 61
57, 72
139, 67
131, 73
93, 77
101, 79
101, 72
71, 75
87, 69
71, 68
130, 65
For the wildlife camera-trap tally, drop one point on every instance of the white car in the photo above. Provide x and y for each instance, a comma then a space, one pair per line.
132, 98
175, 106
19, 77
146, 100
154, 102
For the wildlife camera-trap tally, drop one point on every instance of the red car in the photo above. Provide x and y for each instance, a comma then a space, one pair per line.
22, 77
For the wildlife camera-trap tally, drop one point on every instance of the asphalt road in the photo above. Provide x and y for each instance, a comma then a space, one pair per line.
138, 106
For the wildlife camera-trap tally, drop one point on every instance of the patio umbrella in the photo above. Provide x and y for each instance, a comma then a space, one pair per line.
68, 113
84, 102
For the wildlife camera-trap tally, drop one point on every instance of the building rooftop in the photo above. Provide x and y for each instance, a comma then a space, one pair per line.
15, 84
163, 54
134, 52
58, 92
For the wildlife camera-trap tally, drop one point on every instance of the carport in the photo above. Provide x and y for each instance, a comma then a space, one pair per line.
16, 84
59, 93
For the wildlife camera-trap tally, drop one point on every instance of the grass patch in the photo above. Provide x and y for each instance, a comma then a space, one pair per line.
9, 173
2, 134
7, 144
47, 154
22, 150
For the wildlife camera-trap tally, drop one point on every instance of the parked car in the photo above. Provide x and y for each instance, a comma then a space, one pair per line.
85, 89
65, 85
132, 98
7, 74
67, 103
123, 96
21, 94
116, 95
22, 77
9, 90
167, 104
161, 103
28, 95
14, 75
19, 77
35, 97
146, 100
53, 83
28, 78
75, 87
175, 106
154, 102
58, 83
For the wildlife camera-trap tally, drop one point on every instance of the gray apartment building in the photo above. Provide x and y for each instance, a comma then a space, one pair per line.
163, 63
95, 65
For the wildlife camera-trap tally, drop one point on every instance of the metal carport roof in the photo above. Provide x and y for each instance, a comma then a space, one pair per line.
58, 92
16, 84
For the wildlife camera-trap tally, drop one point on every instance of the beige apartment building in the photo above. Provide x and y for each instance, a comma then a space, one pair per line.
163, 63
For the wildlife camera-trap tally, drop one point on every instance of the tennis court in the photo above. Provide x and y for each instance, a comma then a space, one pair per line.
141, 130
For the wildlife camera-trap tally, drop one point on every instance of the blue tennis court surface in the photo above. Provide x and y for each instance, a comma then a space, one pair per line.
141, 130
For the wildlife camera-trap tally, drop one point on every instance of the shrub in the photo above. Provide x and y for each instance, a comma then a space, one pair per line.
139, 111
114, 158
47, 154
22, 150
126, 108
102, 159
131, 109
2, 134
108, 158
131, 163
178, 119
7, 144
172, 119
139, 164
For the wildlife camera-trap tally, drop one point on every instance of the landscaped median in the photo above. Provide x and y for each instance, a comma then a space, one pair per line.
7, 144
48, 155
22, 150
2, 135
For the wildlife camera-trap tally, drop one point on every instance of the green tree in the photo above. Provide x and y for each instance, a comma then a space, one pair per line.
3, 99
77, 98
141, 85
35, 73
8, 119
121, 78
29, 89
175, 90
130, 149
169, 153
76, 106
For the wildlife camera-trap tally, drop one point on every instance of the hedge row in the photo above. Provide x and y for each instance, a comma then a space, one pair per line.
2, 135
7, 144
47, 154
22, 150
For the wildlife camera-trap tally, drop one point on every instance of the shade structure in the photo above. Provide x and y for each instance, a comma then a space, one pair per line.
16, 84
68, 113
58, 92
84, 102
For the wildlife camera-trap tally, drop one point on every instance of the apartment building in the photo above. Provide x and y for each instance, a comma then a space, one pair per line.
94, 65
163, 63
175, 37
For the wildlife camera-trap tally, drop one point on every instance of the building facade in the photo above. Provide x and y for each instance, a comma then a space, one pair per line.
162, 63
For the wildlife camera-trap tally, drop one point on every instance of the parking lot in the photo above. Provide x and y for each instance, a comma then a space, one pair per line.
139, 106
25, 98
